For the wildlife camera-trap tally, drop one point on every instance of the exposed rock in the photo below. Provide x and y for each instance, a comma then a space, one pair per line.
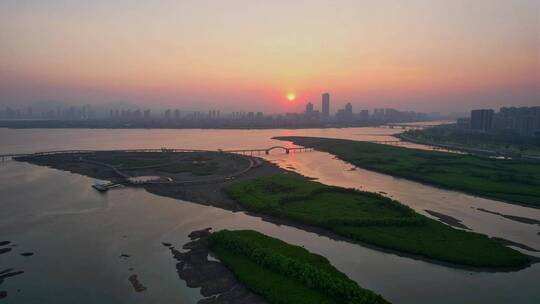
218, 284
4, 274
136, 284
204, 233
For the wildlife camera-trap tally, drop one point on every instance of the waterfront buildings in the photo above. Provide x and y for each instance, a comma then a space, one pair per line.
518, 120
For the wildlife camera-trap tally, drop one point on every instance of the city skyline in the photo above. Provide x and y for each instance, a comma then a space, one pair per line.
326, 110
426, 55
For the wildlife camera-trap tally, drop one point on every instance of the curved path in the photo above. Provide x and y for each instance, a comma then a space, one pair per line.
252, 163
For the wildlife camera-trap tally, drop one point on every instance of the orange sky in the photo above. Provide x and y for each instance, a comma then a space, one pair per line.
247, 55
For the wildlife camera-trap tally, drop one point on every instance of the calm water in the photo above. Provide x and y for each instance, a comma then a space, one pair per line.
78, 234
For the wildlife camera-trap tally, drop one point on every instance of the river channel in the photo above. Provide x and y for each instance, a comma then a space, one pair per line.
86, 244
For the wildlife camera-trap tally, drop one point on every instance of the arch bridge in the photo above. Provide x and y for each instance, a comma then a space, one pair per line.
268, 150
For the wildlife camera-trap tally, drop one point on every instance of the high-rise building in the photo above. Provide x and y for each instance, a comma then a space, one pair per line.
309, 108
326, 104
346, 113
364, 115
482, 120
378, 114
348, 108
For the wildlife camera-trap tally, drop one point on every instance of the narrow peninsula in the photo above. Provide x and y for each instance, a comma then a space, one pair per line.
511, 181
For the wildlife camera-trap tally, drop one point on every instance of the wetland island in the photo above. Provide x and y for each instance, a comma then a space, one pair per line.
245, 183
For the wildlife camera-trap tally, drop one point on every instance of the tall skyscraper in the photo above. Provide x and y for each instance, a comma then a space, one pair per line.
326, 104
364, 115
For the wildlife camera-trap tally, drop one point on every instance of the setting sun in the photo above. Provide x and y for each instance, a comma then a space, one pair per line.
291, 96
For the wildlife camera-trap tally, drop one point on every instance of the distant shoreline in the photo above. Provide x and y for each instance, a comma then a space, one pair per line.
467, 149
173, 124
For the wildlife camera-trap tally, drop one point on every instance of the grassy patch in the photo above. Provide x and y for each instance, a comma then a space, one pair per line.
371, 218
283, 273
504, 141
514, 181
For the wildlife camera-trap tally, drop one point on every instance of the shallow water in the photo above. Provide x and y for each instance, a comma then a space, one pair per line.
78, 234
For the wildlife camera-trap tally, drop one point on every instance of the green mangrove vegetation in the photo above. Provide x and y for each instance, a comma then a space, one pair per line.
503, 141
284, 273
371, 218
512, 181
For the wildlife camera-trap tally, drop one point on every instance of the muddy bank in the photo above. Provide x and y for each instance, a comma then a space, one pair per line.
208, 193
447, 219
515, 244
218, 284
213, 194
515, 218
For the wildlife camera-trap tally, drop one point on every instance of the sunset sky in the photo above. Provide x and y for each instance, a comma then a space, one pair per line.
427, 55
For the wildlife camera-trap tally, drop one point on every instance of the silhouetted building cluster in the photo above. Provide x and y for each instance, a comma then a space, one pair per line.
119, 116
520, 120
346, 115
67, 113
